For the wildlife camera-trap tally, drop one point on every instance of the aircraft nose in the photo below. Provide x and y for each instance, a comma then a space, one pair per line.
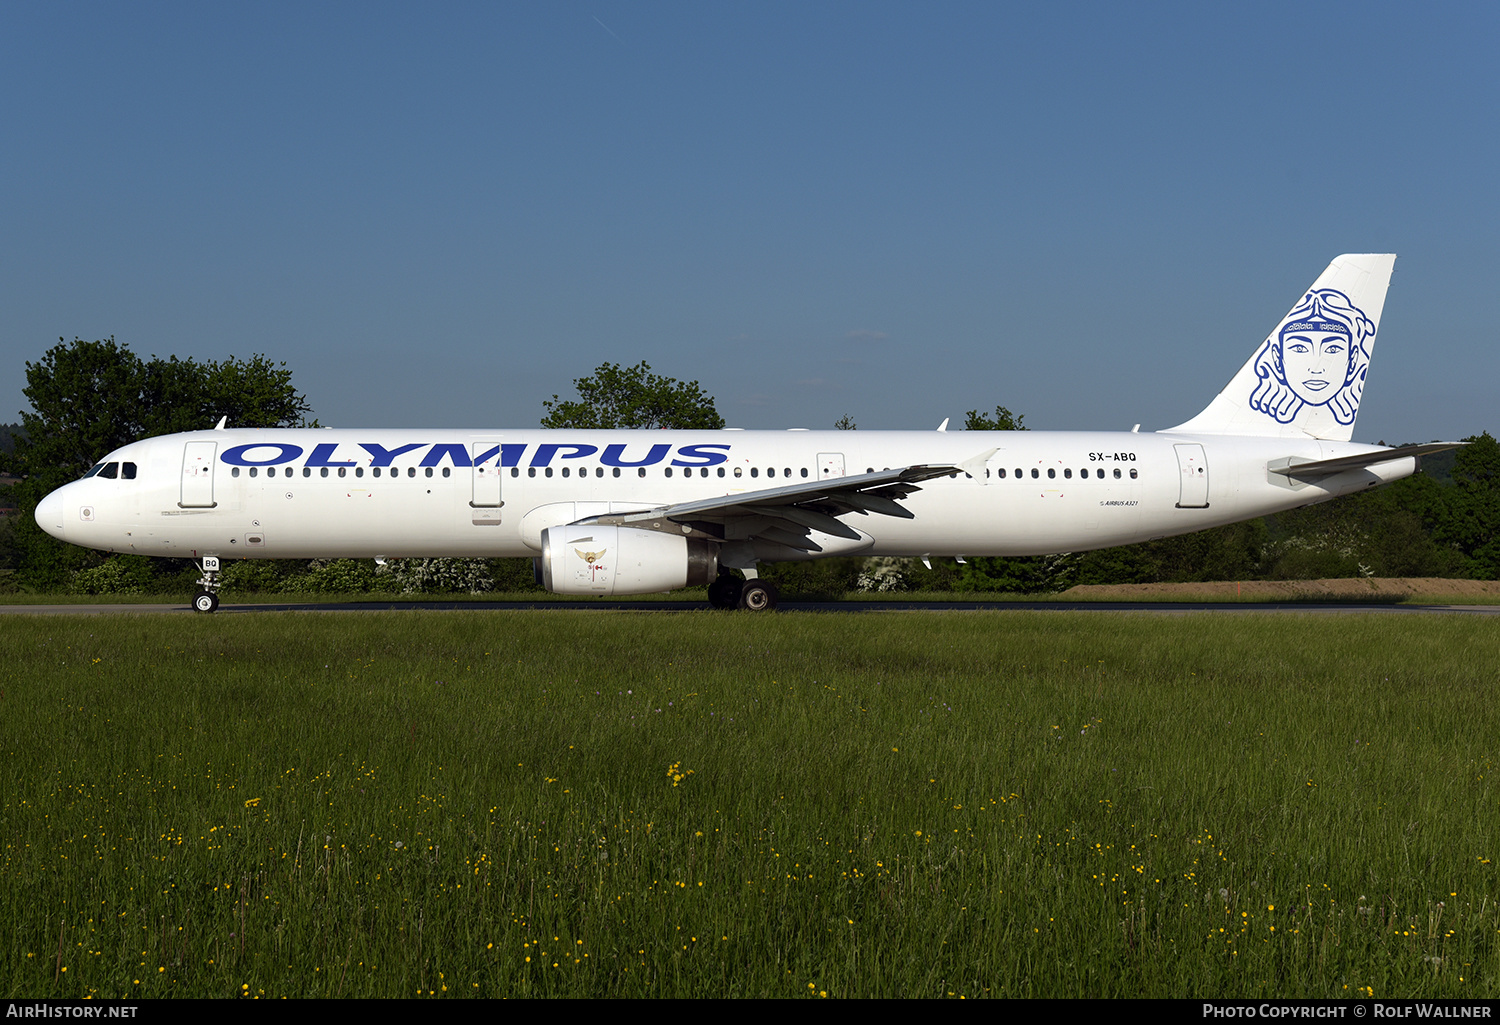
49, 514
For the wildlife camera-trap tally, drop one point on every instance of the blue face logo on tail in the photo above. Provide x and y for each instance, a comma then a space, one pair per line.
1317, 357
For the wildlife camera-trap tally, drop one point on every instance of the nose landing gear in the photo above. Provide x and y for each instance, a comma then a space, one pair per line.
206, 598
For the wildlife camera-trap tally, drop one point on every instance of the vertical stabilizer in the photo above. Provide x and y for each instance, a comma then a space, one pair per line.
1307, 377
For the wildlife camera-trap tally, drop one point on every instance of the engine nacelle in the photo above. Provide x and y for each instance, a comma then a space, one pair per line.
590, 559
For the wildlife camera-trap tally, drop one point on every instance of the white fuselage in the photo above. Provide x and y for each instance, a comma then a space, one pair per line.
310, 493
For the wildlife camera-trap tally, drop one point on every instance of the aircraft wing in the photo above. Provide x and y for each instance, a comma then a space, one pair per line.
787, 515
1314, 468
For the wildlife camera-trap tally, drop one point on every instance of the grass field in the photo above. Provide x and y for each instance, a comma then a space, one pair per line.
702, 804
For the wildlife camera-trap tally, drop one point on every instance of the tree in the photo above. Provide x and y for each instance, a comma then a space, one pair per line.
89, 398
845, 423
184, 395
1472, 523
633, 397
1002, 420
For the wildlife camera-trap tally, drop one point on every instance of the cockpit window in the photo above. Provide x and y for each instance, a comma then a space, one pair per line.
127, 471
92, 471
110, 471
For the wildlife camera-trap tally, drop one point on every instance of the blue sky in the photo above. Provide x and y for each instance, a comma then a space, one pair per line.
440, 215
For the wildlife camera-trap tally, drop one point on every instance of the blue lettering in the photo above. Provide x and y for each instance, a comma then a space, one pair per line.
383, 456
612, 454
694, 452
284, 453
321, 454
457, 453
510, 455
544, 453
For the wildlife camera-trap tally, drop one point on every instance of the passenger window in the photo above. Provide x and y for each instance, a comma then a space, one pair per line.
530, 471
306, 471
323, 471
565, 471
1068, 474
787, 472
755, 471
515, 471
343, 471
1051, 473
641, 472
1034, 473
721, 471
739, 471
375, 471
617, 471
448, 471
804, 471
359, 471
547, 471
234, 472
669, 471
1000, 473
253, 471
770, 471
411, 471
1132, 473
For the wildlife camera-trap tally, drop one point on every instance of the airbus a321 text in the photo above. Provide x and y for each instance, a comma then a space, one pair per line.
633, 512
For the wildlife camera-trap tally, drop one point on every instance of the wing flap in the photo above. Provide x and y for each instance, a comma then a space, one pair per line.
787, 515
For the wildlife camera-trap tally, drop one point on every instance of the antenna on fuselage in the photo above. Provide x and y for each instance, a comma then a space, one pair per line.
222, 421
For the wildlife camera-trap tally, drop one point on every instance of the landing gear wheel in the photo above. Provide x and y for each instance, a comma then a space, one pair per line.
757, 596
206, 598
724, 592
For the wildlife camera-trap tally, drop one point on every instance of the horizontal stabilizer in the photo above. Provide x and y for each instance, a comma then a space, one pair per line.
1314, 468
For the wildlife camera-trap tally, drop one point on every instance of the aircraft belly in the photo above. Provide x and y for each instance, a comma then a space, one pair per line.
353, 519
1014, 518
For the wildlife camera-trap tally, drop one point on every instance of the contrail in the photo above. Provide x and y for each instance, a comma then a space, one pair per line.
607, 28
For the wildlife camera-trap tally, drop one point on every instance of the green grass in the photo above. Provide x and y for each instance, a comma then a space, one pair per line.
701, 804
699, 594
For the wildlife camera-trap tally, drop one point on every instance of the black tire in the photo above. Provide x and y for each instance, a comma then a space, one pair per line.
205, 601
757, 596
724, 592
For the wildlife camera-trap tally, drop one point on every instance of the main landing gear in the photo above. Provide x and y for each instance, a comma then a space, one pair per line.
730, 592
206, 598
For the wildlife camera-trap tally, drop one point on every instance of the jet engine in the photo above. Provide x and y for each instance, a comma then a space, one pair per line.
591, 559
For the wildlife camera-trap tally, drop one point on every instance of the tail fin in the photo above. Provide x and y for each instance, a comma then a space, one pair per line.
1306, 379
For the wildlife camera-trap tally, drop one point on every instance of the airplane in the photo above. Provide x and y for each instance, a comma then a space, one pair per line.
614, 512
